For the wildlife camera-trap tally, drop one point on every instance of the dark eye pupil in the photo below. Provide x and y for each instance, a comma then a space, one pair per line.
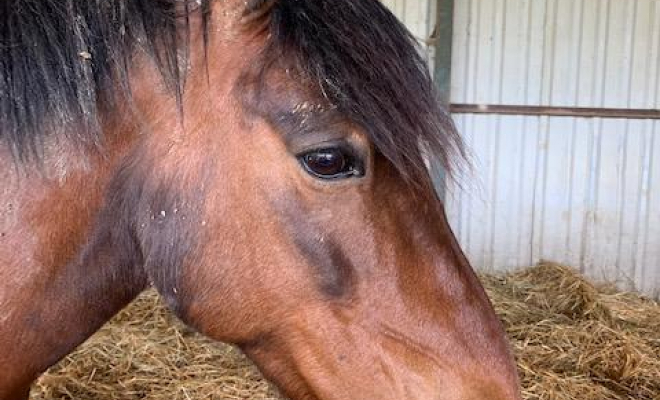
326, 163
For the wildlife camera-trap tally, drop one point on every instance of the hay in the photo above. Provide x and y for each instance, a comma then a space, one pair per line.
572, 341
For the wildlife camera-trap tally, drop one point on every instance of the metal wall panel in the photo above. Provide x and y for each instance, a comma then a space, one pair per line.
591, 53
419, 16
585, 192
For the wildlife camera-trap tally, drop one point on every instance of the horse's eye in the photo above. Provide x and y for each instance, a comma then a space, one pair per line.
330, 163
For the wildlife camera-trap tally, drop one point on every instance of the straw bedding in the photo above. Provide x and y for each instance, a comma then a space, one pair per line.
573, 340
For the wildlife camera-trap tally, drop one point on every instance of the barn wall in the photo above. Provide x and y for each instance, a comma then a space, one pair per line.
585, 192
419, 17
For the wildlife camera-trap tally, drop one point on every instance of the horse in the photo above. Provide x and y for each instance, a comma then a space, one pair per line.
264, 165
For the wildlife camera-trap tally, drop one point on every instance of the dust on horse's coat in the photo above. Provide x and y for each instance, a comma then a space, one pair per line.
259, 163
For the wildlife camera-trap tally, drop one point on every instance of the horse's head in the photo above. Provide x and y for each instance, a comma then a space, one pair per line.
292, 212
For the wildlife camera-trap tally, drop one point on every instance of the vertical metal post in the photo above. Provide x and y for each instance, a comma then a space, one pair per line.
444, 34
443, 39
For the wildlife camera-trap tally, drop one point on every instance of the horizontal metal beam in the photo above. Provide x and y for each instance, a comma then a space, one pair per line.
580, 112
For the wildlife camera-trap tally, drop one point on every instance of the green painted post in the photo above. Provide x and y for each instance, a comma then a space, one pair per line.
443, 37
444, 34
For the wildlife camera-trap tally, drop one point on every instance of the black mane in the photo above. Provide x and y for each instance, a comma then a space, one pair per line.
64, 62
61, 61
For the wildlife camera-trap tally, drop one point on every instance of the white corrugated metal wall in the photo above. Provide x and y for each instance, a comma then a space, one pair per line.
419, 17
585, 192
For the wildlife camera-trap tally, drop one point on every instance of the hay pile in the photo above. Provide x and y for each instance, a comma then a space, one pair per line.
576, 341
572, 341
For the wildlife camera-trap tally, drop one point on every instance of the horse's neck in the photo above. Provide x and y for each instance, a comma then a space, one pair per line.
67, 264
